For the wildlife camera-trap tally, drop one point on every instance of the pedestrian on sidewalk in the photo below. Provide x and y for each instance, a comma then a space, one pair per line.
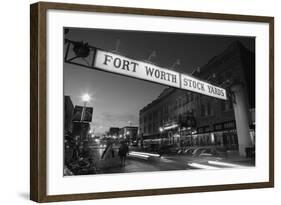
108, 152
122, 152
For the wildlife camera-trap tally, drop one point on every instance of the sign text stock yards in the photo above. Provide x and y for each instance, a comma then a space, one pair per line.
122, 65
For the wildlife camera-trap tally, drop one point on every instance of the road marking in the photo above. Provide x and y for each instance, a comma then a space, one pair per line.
224, 164
201, 166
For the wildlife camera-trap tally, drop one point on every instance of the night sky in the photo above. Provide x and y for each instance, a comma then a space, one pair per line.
117, 99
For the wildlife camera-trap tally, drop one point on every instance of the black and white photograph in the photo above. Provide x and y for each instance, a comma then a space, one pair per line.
142, 101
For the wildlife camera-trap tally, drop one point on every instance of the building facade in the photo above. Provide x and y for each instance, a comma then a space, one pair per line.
68, 114
129, 132
186, 118
114, 131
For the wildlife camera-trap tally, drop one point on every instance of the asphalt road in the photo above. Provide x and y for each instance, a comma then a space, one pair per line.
141, 162
149, 165
169, 163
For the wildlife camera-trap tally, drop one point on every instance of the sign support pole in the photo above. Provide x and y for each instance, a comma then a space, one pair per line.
241, 111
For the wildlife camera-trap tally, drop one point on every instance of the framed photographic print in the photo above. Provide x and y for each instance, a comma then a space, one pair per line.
135, 102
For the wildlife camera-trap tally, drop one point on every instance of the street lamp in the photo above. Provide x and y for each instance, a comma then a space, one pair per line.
85, 98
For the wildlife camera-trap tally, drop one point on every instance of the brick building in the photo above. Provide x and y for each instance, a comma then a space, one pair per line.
183, 117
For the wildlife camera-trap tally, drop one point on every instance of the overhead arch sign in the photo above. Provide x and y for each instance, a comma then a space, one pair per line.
115, 63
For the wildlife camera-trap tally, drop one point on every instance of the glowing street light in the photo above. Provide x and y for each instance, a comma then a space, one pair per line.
86, 98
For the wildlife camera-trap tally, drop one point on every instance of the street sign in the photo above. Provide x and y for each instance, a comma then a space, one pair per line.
78, 112
80, 129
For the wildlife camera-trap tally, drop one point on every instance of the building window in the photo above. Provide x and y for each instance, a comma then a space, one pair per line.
170, 108
149, 128
161, 114
206, 110
226, 105
165, 109
175, 105
179, 102
230, 105
187, 97
209, 109
155, 115
191, 97
150, 117
155, 128
203, 110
